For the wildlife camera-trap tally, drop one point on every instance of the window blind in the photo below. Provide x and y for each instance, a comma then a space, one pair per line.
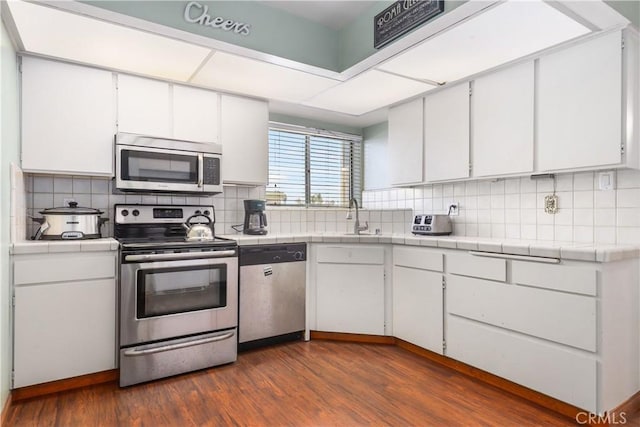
311, 167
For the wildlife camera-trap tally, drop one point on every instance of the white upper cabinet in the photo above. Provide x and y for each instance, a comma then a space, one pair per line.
144, 106
196, 114
580, 105
502, 109
244, 135
406, 142
446, 134
68, 118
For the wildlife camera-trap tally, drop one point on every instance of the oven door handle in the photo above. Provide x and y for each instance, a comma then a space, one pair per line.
179, 255
134, 352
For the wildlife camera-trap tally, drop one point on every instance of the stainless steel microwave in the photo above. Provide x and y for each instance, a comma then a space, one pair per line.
145, 163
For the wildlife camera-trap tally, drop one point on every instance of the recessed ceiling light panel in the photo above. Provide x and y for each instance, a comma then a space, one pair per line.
504, 33
234, 73
48, 31
367, 92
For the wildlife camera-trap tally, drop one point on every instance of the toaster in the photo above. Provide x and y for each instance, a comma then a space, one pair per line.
431, 225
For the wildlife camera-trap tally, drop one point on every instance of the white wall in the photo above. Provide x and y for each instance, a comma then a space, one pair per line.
376, 173
9, 153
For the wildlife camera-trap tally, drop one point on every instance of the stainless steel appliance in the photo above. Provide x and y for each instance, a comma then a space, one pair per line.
272, 293
178, 298
71, 222
145, 163
255, 220
431, 225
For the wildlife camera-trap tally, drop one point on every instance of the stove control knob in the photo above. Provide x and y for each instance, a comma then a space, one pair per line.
197, 212
135, 212
298, 256
125, 212
207, 213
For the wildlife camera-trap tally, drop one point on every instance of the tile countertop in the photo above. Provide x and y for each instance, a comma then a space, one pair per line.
58, 246
536, 248
568, 251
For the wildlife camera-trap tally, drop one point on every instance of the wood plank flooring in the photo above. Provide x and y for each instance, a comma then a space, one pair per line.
317, 383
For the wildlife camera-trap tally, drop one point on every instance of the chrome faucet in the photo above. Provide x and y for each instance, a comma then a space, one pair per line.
356, 226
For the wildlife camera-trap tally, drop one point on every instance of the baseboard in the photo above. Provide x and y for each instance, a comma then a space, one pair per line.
357, 338
63, 385
5, 410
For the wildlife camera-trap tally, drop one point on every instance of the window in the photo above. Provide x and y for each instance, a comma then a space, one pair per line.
311, 167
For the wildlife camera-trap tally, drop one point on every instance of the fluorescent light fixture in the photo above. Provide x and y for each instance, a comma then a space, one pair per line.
367, 92
238, 74
65, 35
501, 34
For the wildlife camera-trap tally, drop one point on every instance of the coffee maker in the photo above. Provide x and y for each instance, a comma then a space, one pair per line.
255, 220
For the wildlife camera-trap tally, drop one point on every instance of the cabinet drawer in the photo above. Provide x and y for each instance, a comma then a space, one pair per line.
580, 280
350, 255
563, 318
469, 265
425, 259
544, 367
63, 268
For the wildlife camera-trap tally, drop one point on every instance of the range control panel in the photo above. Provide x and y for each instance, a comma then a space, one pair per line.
149, 214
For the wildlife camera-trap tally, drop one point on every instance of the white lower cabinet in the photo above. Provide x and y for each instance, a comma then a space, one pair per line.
63, 326
417, 297
350, 289
566, 330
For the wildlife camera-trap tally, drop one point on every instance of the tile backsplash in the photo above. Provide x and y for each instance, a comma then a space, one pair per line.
510, 208
46, 191
513, 208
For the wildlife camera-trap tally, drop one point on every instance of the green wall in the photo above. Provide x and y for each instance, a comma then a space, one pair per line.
9, 152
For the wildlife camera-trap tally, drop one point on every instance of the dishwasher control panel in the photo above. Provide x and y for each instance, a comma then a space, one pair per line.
272, 254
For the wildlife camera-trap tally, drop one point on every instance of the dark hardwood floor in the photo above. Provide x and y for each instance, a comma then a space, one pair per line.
318, 383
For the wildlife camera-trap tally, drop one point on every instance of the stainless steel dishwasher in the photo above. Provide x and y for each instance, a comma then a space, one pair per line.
271, 294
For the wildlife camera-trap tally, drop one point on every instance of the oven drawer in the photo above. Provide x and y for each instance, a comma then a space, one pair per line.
164, 359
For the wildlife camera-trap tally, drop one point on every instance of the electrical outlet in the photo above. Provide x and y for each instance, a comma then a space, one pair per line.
551, 204
454, 210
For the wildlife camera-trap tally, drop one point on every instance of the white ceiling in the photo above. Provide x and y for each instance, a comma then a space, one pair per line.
476, 39
333, 14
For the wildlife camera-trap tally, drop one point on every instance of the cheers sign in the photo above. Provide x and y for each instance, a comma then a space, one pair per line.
401, 17
196, 13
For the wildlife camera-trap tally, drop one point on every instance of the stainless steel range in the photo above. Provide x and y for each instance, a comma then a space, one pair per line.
178, 298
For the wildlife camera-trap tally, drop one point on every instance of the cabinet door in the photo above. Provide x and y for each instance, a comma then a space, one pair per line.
244, 135
144, 106
579, 105
68, 118
405, 142
446, 134
195, 114
418, 307
350, 298
502, 109
79, 337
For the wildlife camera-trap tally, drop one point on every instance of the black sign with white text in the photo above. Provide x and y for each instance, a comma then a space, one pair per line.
401, 17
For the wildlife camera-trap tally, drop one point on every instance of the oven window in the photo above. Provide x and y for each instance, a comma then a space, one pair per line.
158, 167
165, 291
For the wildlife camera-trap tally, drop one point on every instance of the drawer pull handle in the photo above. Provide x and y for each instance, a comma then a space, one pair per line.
516, 257
134, 352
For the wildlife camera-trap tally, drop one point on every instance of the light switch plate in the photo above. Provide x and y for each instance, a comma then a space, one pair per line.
606, 180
